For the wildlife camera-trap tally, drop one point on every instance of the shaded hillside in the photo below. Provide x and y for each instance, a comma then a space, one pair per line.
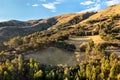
15, 29
13, 23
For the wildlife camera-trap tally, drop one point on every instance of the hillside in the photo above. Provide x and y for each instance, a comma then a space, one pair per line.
77, 33
44, 32
12, 28
78, 46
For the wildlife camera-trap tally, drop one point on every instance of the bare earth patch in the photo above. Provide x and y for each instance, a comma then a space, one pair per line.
77, 40
53, 56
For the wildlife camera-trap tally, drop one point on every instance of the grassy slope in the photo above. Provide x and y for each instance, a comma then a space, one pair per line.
13, 28
97, 39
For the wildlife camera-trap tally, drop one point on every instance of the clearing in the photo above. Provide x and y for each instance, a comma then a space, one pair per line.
78, 40
54, 56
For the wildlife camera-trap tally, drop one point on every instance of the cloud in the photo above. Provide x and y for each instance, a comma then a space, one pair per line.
52, 5
112, 2
35, 5
87, 3
96, 7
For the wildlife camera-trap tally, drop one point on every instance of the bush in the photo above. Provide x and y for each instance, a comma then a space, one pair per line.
66, 46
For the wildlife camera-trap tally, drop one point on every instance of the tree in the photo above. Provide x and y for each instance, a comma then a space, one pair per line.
1, 70
81, 72
88, 71
6, 76
66, 73
38, 75
14, 42
66, 78
26, 40
20, 62
112, 73
94, 74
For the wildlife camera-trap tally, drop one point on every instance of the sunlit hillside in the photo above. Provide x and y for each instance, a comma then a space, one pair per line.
77, 46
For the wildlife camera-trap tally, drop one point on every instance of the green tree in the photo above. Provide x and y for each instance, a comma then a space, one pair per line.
6, 76
38, 75
88, 71
94, 74
66, 78
81, 72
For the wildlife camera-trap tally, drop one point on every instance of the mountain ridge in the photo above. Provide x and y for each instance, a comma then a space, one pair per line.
31, 26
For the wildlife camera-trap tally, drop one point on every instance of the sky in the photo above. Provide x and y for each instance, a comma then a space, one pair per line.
38, 9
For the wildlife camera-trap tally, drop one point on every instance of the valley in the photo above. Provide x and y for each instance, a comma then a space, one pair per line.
76, 46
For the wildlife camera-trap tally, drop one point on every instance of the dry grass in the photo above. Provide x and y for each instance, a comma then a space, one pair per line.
67, 17
97, 39
53, 56
110, 11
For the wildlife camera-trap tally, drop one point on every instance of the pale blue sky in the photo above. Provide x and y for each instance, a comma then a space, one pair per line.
37, 9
